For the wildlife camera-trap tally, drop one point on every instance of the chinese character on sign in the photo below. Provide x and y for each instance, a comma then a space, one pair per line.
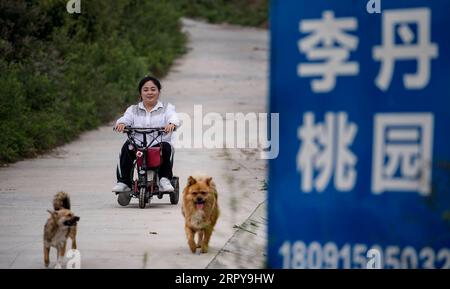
325, 151
414, 47
402, 152
329, 32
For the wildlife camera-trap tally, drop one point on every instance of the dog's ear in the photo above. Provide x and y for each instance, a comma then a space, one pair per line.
191, 181
208, 181
52, 213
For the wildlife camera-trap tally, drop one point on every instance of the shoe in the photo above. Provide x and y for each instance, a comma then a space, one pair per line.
121, 187
165, 185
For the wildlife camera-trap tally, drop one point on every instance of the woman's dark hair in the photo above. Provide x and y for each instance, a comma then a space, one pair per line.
149, 78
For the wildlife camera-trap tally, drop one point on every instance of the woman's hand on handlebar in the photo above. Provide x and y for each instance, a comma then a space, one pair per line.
170, 128
120, 127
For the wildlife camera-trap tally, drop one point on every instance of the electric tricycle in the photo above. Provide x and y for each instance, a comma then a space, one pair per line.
144, 175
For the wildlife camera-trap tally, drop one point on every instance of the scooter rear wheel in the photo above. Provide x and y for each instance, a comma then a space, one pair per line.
175, 195
123, 199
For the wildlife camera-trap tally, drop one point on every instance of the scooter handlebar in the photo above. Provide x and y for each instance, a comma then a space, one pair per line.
143, 129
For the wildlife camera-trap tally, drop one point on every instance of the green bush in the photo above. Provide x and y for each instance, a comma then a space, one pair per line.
241, 12
61, 73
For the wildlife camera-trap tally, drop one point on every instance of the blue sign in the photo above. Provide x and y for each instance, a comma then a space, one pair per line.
362, 179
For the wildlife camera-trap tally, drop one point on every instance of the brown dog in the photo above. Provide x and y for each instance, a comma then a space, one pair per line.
61, 224
200, 210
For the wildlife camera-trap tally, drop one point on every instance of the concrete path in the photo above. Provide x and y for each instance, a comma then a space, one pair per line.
225, 70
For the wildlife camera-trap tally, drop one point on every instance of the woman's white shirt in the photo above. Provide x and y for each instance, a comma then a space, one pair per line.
159, 116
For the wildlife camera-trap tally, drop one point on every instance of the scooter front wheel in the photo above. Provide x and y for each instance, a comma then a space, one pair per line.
142, 200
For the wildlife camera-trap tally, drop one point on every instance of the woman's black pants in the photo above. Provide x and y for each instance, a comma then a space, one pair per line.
127, 157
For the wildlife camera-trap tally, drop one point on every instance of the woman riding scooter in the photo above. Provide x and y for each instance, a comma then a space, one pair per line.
149, 112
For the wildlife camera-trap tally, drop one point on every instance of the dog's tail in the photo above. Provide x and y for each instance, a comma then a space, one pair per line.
61, 201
